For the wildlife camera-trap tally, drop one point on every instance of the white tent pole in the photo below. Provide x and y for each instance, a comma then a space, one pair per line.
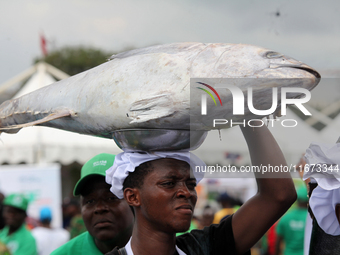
56, 72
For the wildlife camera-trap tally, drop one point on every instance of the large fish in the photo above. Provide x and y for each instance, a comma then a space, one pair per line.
150, 88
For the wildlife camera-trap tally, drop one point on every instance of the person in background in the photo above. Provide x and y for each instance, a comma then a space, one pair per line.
48, 239
228, 207
77, 225
15, 235
69, 208
291, 227
2, 221
3, 248
108, 220
206, 218
309, 222
268, 241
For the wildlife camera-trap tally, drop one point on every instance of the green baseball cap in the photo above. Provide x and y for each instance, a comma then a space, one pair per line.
16, 200
95, 166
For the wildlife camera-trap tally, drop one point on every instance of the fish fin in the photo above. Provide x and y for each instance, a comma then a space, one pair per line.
150, 108
52, 116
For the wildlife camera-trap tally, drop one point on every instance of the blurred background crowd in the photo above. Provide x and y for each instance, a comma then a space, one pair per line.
285, 237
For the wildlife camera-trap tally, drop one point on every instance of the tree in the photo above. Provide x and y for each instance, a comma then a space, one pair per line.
75, 59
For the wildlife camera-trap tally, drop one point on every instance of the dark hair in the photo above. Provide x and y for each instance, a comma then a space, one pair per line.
46, 221
136, 178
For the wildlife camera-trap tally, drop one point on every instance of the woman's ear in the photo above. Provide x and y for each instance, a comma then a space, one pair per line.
131, 195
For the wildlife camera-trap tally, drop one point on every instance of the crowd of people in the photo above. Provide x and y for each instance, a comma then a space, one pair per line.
143, 203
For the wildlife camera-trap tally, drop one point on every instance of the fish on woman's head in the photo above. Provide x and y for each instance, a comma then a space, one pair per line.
149, 88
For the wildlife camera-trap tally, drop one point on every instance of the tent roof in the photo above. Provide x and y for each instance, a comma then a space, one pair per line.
45, 145
9, 88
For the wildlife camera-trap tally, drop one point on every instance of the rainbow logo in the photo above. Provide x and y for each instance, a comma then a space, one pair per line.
209, 93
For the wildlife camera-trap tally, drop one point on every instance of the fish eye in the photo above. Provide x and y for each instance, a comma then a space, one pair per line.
273, 54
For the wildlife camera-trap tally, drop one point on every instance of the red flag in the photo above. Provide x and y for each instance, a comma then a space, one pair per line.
43, 44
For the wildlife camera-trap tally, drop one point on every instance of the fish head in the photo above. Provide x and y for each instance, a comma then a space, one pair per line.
248, 68
249, 61
283, 66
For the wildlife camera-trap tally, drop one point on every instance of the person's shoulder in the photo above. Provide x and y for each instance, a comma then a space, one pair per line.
62, 234
3, 231
24, 231
72, 246
61, 231
39, 231
25, 240
208, 239
192, 242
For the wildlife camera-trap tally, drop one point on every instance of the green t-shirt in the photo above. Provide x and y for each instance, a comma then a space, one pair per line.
21, 242
82, 244
291, 228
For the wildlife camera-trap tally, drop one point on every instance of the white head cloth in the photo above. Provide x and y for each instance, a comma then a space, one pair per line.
327, 156
126, 162
323, 202
324, 197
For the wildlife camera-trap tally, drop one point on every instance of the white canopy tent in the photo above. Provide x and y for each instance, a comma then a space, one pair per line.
44, 144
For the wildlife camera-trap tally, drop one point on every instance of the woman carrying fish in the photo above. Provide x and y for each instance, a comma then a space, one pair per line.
148, 88
161, 189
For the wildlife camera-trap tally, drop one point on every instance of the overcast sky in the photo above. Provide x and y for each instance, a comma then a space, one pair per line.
306, 30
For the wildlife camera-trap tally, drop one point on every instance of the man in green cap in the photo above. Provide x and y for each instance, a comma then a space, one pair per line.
291, 227
15, 235
108, 220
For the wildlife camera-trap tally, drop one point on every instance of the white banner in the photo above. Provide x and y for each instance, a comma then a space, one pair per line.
40, 183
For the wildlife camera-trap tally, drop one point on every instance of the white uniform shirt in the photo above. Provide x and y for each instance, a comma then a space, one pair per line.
129, 250
49, 239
